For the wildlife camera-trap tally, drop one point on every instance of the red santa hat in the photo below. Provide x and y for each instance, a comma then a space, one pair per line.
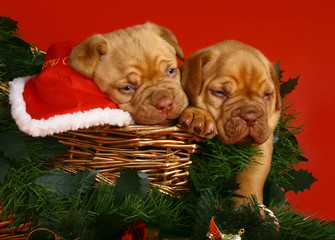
60, 99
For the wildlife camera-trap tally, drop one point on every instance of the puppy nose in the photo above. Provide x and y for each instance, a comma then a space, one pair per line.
250, 118
164, 105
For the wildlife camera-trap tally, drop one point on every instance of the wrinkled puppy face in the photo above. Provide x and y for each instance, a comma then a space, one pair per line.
240, 88
138, 69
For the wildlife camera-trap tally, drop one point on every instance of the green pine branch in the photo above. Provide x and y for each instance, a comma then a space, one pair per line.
287, 153
296, 225
16, 56
217, 164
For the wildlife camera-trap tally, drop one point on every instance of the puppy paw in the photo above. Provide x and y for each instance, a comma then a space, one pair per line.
199, 122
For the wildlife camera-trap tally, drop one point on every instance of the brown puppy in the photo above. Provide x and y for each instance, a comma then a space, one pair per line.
234, 92
138, 69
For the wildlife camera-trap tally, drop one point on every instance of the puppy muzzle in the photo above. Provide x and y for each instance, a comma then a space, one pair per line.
158, 106
245, 126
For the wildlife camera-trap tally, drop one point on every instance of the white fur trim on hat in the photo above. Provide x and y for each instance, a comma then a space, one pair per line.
60, 123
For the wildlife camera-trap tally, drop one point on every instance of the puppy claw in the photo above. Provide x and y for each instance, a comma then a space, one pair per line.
209, 132
186, 123
198, 129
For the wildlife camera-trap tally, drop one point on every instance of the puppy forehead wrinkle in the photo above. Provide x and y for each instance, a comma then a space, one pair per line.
246, 68
137, 41
143, 49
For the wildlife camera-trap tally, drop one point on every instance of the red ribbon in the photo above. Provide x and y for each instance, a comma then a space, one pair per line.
135, 232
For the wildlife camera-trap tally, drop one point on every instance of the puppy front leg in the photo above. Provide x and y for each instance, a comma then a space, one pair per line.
252, 178
198, 121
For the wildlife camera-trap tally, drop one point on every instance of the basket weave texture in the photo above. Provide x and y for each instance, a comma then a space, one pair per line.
8, 233
160, 151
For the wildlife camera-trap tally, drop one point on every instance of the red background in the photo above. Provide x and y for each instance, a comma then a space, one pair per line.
301, 34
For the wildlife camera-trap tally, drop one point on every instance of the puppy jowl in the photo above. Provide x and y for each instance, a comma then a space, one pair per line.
137, 68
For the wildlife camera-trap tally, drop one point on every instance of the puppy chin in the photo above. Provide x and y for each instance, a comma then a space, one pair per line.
157, 119
246, 139
259, 136
168, 122
232, 140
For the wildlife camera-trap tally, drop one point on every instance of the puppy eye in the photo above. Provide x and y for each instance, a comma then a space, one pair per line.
128, 88
171, 72
267, 95
220, 94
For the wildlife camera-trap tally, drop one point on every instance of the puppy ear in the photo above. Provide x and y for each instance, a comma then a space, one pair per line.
275, 78
85, 56
191, 79
171, 39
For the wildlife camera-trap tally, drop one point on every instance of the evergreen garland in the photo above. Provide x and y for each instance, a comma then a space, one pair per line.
68, 205
217, 164
16, 57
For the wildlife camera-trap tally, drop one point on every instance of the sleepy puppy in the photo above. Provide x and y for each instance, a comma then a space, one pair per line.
234, 93
137, 67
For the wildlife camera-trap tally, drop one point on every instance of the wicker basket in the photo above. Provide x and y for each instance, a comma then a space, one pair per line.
7, 233
161, 152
